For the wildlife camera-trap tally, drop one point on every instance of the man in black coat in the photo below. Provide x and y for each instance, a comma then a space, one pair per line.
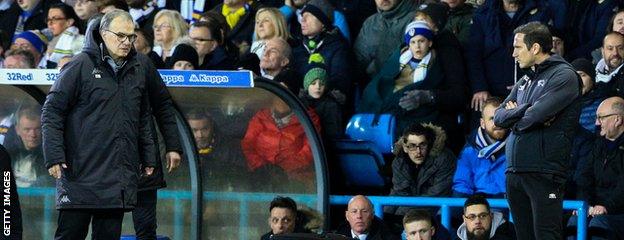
542, 112
363, 223
96, 133
10, 209
25, 15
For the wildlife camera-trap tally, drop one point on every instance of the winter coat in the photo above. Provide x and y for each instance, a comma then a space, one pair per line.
543, 124
459, 21
28, 165
287, 147
292, 19
329, 111
378, 230
36, 21
244, 29
601, 181
335, 51
476, 174
587, 24
223, 164
490, 45
371, 48
433, 178
13, 209
97, 123
218, 59
444, 78
500, 229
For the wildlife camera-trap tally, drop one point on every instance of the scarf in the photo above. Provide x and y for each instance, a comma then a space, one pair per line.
420, 68
66, 44
487, 147
602, 72
233, 16
139, 13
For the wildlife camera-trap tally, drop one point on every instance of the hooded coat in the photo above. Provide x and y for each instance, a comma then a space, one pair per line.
371, 48
96, 122
500, 230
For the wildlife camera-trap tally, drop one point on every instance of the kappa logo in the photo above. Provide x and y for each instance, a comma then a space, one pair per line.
541, 83
65, 199
552, 196
97, 73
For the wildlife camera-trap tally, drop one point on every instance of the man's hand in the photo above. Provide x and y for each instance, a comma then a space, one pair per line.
597, 210
173, 160
478, 100
55, 170
149, 171
511, 105
413, 99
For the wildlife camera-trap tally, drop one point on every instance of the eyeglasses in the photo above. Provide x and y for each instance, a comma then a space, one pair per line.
203, 39
414, 147
481, 216
601, 118
164, 25
122, 37
55, 19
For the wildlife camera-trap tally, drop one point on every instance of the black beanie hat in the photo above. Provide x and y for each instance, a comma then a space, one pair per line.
183, 52
322, 10
584, 65
438, 12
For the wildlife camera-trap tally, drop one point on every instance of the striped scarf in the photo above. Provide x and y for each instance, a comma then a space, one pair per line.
68, 44
487, 149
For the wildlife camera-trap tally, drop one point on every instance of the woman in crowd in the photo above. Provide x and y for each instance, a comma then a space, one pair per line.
169, 29
269, 24
67, 41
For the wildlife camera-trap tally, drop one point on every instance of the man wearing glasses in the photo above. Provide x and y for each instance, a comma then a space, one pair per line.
481, 223
423, 166
96, 130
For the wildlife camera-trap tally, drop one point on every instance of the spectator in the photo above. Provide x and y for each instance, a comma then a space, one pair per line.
609, 73
283, 216
106, 6
460, 20
210, 44
85, 9
482, 162
321, 41
25, 15
616, 24
275, 143
25, 149
600, 182
143, 13
491, 68
62, 22
417, 84
275, 64
292, 12
239, 17
20, 59
362, 223
184, 57
169, 28
269, 24
419, 225
586, 24
558, 43
422, 166
480, 222
542, 111
372, 49
101, 159
315, 95
355, 12
144, 44
13, 210
585, 133
34, 42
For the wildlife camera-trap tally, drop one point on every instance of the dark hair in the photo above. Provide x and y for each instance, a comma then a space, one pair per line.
198, 114
284, 202
67, 10
417, 215
476, 199
419, 130
493, 101
215, 29
149, 38
27, 55
536, 32
5, 41
219, 19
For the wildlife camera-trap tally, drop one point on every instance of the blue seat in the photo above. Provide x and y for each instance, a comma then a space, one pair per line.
377, 128
361, 162
132, 237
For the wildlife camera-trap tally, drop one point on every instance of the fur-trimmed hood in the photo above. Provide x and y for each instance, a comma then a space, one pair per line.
438, 144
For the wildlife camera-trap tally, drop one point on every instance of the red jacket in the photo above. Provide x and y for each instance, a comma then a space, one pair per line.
288, 147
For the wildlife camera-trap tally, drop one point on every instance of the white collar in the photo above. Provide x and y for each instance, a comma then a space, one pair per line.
359, 236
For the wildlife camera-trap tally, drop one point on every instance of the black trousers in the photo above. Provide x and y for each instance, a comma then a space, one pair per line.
144, 215
536, 204
74, 224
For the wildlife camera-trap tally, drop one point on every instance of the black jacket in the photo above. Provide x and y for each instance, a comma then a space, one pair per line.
218, 59
602, 180
378, 231
244, 29
544, 122
13, 208
10, 17
97, 122
329, 111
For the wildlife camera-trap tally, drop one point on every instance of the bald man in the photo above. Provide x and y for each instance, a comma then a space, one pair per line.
609, 74
363, 224
601, 182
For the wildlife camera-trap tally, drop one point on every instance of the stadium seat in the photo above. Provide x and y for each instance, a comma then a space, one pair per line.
377, 128
361, 162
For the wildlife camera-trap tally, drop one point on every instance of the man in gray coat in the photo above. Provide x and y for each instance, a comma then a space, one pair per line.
96, 134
